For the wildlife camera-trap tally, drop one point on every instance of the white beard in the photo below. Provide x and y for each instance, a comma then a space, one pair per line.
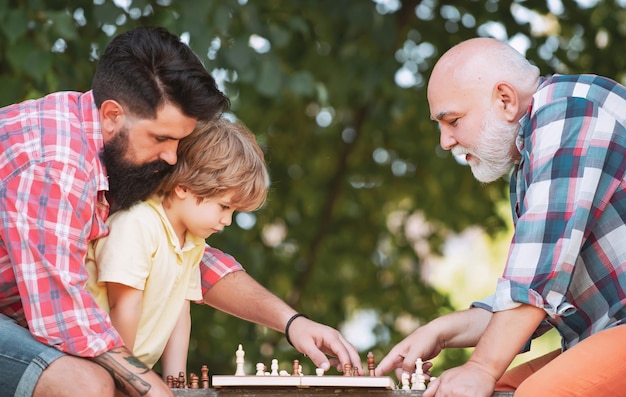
491, 158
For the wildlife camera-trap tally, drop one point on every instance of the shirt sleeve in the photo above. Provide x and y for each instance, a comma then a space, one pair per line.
194, 293
47, 213
568, 178
214, 265
125, 255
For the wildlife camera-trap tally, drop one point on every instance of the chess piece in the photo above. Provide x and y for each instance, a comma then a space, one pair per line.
194, 381
260, 369
181, 380
170, 381
239, 354
204, 376
274, 367
419, 380
347, 370
296, 365
319, 371
282, 372
405, 381
371, 366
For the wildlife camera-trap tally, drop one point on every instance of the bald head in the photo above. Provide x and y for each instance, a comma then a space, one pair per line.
474, 67
482, 62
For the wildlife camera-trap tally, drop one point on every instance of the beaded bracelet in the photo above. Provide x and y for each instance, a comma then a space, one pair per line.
289, 324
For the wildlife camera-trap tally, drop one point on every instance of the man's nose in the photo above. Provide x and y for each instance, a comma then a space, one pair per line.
169, 153
446, 139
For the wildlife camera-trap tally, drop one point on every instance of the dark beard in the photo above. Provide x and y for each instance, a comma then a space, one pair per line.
128, 182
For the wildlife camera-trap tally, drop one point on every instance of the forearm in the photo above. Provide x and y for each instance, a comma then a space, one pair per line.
125, 311
461, 329
130, 375
240, 295
504, 337
174, 357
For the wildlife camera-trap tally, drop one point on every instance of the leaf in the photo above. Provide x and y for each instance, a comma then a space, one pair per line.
302, 83
63, 24
15, 24
270, 78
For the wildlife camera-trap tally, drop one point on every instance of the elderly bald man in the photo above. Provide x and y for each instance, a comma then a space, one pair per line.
564, 139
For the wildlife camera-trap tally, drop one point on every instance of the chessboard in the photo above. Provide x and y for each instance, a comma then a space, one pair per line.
272, 377
274, 382
301, 381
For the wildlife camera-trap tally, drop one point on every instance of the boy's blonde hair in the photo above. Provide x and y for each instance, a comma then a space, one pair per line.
220, 157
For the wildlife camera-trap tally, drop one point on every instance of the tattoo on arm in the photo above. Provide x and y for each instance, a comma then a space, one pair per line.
123, 377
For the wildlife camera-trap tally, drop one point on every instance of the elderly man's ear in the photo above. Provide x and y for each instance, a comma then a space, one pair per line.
507, 100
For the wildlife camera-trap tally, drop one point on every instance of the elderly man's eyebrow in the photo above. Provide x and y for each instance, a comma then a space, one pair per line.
439, 116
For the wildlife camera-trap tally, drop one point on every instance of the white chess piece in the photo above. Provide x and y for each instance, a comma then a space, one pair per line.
405, 381
419, 380
260, 369
319, 371
239, 354
274, 367
414, 381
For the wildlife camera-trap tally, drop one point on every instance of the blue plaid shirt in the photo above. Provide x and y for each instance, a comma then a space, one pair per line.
568, 198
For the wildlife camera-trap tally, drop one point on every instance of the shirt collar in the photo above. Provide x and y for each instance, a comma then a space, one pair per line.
191, 240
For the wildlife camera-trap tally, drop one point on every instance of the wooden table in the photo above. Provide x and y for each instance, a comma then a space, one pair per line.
303, 392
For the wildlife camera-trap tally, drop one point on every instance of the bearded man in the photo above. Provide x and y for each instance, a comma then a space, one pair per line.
564, 137
66, 160
69, 159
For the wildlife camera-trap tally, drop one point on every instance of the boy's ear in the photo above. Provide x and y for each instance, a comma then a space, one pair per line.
111, 118
181, 192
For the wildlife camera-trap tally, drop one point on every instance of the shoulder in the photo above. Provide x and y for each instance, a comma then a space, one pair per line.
52, 129
597, 89
140, 215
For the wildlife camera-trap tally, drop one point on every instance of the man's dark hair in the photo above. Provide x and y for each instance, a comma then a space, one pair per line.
146, 67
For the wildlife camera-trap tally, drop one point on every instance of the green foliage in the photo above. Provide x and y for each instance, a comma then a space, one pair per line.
348, 148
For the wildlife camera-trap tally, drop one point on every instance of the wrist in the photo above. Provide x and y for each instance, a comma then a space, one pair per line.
288, 325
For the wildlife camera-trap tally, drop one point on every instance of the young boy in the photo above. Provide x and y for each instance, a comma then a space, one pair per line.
145, 272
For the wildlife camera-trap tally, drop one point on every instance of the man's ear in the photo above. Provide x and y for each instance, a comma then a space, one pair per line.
507, 100
111, 118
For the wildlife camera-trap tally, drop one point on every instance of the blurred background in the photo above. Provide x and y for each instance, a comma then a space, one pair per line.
370, 227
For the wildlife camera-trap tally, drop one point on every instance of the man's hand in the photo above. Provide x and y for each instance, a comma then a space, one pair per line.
324, 345
454, 330
402, 357
468, 380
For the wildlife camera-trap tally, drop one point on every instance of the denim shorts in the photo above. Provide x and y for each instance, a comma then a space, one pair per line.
22, 359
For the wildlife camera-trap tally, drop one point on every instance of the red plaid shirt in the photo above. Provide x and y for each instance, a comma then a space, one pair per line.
52, 204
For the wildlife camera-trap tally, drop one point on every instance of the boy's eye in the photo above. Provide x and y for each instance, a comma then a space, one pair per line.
454, 121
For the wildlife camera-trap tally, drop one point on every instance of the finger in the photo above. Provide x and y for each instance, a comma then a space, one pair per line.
427, 366
345, 353
426, 369
398, 373
391, 361
410, 360
355, 359
334, 362
319, 359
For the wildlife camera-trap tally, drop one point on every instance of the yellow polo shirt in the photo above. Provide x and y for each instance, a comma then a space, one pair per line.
142, 251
